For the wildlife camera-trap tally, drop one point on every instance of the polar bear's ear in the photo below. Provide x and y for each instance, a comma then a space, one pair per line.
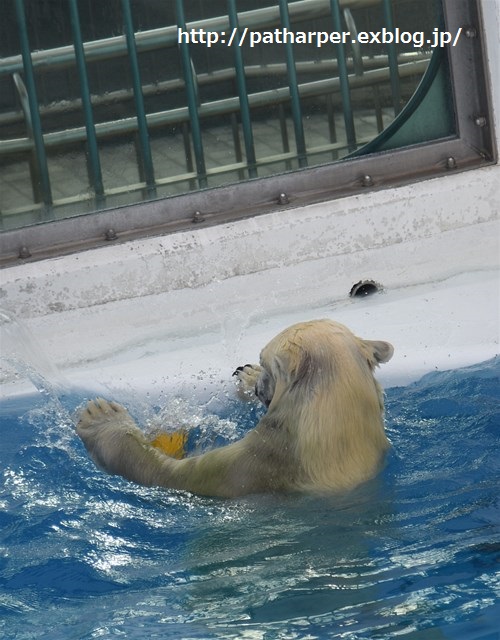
382, 351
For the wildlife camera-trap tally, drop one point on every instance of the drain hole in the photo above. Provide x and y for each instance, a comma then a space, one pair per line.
364, 288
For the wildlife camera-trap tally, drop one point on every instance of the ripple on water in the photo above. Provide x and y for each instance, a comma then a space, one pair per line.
413, 554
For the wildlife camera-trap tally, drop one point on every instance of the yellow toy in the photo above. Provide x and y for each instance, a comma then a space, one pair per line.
171, 443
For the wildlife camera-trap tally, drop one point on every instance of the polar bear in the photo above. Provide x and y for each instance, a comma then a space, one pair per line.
323, 429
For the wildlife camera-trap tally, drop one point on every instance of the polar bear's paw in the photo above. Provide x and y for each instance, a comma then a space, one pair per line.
109, 434
99, 412
247, 377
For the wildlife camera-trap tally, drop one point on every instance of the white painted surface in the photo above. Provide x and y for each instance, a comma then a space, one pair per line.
433, 326
189, 341
190, 306
342, 230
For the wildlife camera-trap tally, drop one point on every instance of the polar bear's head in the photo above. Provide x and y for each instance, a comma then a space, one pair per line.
318, 384
317, 355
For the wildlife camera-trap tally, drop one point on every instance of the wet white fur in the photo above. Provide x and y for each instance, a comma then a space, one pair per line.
323, 429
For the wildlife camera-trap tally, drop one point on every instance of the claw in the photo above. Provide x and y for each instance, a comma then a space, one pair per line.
242, 368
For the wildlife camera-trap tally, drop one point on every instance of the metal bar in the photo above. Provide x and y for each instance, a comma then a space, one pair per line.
331, 122
188, 154
41, 159
216, 107
393, 57
167, 36
237, 144
146, 158
191, 99
246, 120
357, 58
344, 80
294, 89
378, 108
284, 134
219, 75
286, 157
34, 169
94, 163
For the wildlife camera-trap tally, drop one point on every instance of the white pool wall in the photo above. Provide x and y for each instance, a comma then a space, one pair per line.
147, 312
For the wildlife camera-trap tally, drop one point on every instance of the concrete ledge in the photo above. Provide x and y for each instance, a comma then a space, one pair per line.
345, 230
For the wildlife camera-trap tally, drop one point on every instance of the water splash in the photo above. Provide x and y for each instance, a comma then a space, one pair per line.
22, 354
23, 358
205, 429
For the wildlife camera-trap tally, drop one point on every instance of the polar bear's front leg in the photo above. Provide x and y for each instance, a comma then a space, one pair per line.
116, 444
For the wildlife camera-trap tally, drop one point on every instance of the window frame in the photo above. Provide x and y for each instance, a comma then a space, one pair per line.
473, 146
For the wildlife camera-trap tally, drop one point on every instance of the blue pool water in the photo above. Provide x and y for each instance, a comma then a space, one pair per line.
414, 554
